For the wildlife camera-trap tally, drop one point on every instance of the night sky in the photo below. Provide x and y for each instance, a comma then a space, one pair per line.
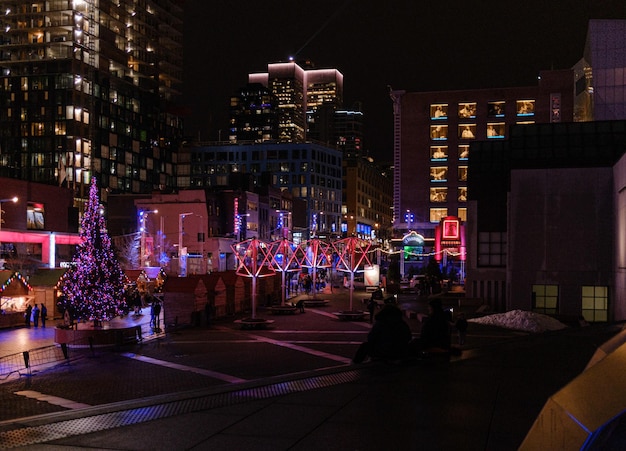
409, 44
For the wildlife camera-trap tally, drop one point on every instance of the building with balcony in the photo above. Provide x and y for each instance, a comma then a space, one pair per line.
86, 89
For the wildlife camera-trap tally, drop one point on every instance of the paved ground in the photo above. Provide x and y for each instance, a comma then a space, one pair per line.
291, 386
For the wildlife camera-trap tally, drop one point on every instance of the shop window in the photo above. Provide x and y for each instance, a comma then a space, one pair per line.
439, 111
545, 299
462, 194
467, 131
495, 109
467, 110
495, 130
35, 216
439, 174
595, 303
463, 173
439, 194
463, 151
525, 107
438, 153
439, 132
437, 214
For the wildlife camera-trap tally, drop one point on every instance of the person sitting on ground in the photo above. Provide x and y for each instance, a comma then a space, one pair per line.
389, 337
435, 332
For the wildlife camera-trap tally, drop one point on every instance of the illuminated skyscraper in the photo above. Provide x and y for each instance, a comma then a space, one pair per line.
300, 91
85, 89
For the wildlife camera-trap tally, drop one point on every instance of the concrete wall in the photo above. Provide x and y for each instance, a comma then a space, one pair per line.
561, 232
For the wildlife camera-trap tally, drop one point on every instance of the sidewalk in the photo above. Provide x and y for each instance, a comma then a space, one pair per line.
287, 388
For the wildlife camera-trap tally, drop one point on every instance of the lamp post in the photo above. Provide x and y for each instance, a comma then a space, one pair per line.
12, 199
143, 214
182, 252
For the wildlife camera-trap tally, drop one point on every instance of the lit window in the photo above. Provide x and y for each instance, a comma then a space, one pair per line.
467, 110
467, 131
463, 151
463, 173
438, 174
495, 109
437, 214
462, 194
439, 132
525, 107
438, 153
439, 111
35, 216
439, 194
595, 303
495, 130
462, 214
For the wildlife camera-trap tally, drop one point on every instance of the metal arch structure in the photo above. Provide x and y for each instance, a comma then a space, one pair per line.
353, 254
286, 257
254, 260
318, 254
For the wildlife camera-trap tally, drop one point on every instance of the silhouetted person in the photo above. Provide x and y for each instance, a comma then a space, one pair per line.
435, 330
44, 313
156, 315
27, 314
35, 313
300, 305
389, 337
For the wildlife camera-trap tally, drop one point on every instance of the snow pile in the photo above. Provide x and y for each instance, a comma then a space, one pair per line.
521, 320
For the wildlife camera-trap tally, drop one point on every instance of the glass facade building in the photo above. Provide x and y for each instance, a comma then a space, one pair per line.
86, 88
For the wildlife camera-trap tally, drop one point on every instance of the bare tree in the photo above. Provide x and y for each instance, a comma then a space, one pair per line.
126, 248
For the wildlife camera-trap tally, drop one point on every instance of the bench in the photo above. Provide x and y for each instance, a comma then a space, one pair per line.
251, 324
283, 310
351, 316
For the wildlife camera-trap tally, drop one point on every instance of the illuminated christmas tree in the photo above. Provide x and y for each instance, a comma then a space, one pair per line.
93, 287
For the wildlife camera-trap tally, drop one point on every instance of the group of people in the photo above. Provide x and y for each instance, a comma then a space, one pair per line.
391, 338
34, 314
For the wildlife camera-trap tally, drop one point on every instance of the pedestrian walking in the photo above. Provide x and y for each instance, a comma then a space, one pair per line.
35, 315
156, 311
27, 314
300, 305
44, 313
371, 306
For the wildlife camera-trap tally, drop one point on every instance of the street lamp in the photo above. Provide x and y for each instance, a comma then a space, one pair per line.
143, 214
182, 252
409, 218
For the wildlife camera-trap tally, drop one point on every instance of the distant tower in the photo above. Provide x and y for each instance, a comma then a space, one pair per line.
300, 90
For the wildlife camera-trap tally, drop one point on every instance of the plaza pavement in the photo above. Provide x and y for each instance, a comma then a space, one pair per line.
290, 387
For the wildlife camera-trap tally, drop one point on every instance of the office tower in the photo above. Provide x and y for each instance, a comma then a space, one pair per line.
253, 114
300, 90
85, 88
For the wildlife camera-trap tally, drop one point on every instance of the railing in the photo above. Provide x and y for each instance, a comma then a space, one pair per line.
23, 362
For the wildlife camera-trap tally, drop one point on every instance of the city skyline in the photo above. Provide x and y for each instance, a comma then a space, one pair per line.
412, 47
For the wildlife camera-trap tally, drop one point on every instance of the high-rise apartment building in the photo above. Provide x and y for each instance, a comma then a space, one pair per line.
85, 87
